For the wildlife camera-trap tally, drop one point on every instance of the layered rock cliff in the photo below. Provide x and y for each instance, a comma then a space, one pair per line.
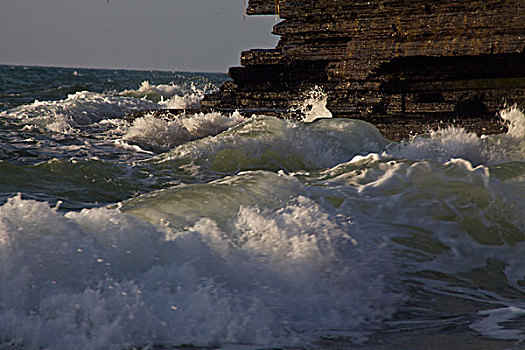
404, 65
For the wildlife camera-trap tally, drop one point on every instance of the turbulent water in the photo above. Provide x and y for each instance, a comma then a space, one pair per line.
220, 231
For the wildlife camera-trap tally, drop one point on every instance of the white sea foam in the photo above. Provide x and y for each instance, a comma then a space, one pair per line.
313, 106
84, 108
154, 133
452, 142
81, 108
159, 134
168, 95
154, 92
100, 279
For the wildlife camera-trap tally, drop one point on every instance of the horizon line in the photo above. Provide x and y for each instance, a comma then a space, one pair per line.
108, 68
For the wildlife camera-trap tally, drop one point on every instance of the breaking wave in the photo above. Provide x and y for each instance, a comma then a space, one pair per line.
85, 108
445, 144
150, 132
169, 95
103, 279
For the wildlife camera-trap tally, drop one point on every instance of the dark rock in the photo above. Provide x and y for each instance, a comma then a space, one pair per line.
406, 66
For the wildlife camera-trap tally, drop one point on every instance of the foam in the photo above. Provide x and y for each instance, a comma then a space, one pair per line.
169, 95
85, 108
452, 142
81, 108
99, 279
313, 106
159, 134
154, 92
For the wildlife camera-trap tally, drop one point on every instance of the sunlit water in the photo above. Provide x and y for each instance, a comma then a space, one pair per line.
221, 231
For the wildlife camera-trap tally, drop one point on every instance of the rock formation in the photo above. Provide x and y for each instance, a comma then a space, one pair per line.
404, 65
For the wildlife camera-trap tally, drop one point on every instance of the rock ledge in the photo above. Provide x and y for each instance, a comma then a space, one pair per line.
405, 66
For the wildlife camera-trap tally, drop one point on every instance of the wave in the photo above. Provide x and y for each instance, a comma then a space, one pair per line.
265, 258
81, 108
458, 228
153, 133
259, 231
85, 108
274, 144
445, 144
170, 95
102, 279
76, 184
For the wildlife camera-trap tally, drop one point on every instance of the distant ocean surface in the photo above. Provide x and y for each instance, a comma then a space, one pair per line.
219, 231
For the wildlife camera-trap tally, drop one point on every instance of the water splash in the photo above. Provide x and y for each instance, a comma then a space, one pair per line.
313, 106
441, 145
514, 118
452, 142
152, 133
170, 95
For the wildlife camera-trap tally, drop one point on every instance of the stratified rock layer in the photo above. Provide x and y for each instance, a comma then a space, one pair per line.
404, 65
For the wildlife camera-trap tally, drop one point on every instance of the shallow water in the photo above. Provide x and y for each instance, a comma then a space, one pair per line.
221, 231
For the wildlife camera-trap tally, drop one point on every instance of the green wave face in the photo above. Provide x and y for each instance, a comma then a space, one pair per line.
267, 143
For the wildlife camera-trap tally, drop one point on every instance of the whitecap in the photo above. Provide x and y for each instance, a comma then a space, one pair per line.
150, 132
100, 279
169, 95
452, 142
81, 108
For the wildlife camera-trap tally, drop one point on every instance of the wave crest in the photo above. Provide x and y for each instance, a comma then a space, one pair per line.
158, 134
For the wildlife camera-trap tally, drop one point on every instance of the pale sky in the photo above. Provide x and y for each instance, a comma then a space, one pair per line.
181, 35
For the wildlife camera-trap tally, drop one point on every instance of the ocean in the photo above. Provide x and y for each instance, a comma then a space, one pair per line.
225, 232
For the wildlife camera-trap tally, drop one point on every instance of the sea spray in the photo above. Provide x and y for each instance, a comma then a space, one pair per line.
453, 142
313, 105
441, 145
99, 278
154, 92
151, 132
170, 95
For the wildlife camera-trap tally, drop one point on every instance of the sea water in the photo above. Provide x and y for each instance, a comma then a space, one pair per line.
215, 230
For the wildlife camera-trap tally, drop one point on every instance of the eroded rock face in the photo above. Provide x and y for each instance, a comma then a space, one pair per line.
412, 63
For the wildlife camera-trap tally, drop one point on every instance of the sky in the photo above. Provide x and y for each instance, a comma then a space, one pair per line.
179, 35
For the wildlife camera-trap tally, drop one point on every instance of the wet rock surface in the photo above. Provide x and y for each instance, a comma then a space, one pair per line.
405, 66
